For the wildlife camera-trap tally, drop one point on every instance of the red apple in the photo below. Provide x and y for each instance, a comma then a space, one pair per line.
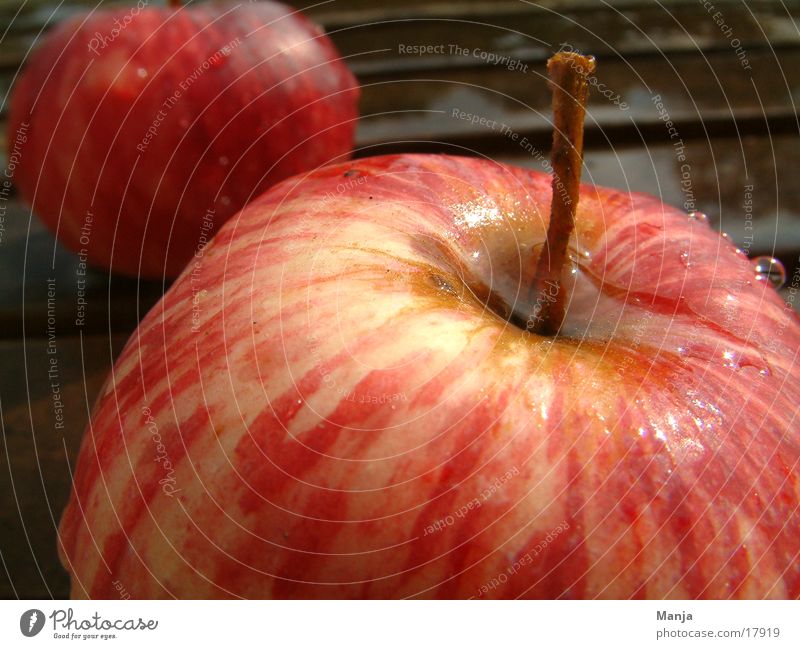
340, 399
148, 127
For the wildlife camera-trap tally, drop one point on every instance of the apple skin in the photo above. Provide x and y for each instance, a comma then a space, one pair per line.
276, 102
330, 390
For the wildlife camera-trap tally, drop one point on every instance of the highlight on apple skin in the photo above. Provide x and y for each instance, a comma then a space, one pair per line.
149, 127
337, 399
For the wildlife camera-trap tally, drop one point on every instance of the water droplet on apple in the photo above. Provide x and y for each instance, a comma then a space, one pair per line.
701, 217
731, 360
725, 236
443, 285
756, 372
769, 269
223, 160
141, 72
685, 258
579, 254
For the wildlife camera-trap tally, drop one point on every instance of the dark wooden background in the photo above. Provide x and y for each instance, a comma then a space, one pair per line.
739, 127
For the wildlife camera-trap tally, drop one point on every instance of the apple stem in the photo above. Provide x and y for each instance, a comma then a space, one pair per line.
569, 73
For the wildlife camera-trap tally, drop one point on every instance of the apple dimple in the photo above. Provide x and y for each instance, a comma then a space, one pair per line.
628, 276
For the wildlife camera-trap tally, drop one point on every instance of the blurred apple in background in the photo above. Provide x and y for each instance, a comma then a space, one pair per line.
341, 398
148, 127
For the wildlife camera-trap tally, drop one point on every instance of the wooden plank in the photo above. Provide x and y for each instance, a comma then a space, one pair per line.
716, 89
37, 453
466, 33
334, 13
32, 264
359, 10
531, 37
527, 31
661, 22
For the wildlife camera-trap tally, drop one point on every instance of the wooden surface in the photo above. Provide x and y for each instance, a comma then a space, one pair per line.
739, 127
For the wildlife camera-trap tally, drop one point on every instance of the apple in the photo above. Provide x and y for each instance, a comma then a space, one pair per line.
341, 398
148, 127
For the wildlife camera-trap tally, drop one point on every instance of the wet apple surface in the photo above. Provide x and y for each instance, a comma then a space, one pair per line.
346, 368
143, 140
